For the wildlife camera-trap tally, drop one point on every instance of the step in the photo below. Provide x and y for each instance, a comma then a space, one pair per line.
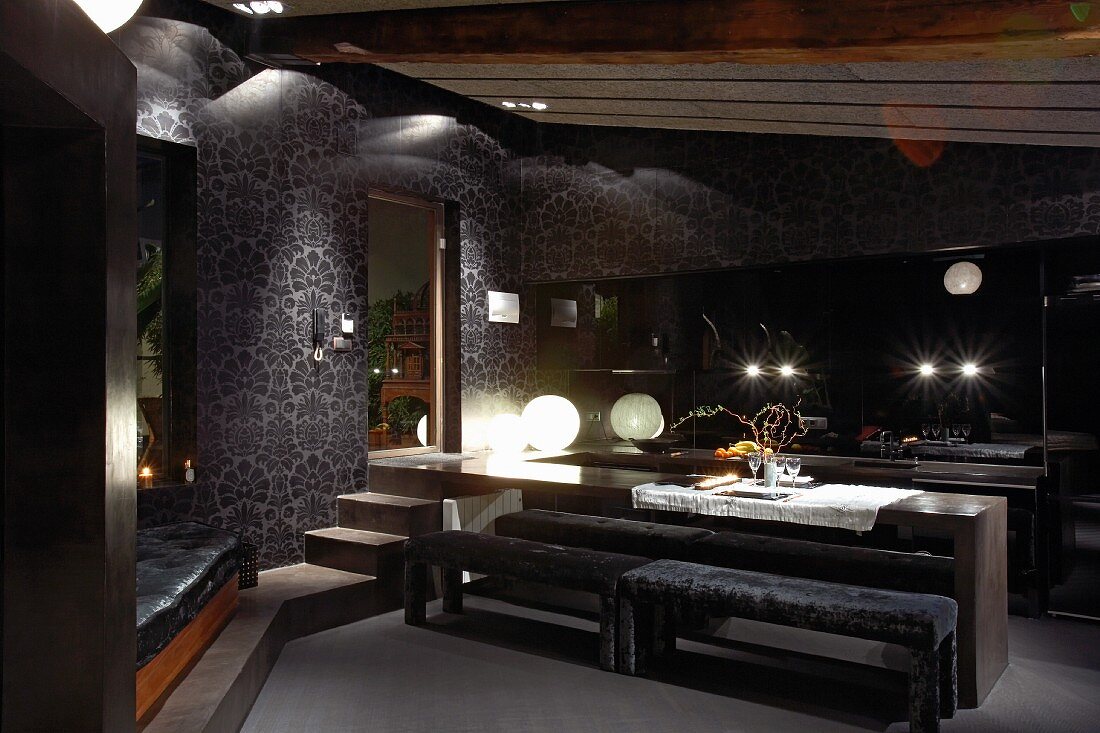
356, 551
396, 515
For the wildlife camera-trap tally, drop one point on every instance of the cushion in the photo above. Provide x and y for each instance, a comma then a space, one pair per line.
864, 566
180, 567
567, 567
601, 533
910, 619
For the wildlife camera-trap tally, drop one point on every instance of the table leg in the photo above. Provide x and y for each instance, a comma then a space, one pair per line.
981, 589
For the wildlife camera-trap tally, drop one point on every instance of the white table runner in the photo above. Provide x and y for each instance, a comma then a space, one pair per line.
829, 505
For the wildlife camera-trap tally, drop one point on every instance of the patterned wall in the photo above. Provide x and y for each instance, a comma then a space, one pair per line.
605, 202
285, 161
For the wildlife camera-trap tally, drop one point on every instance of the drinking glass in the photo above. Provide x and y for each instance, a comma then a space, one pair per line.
794, 465
925, 430
936, 430
754, 464
955, 430
966, 431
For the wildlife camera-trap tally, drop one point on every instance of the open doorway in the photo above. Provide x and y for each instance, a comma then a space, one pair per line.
405, 325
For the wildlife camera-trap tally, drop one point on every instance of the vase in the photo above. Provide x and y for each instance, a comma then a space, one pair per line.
771, 475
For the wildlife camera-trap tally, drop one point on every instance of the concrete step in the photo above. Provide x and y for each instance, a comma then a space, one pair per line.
396, 515
356, 551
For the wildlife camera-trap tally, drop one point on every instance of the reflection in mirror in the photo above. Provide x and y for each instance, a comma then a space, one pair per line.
403, 325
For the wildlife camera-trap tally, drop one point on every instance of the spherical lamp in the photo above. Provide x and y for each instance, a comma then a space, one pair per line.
505, 434
963, 278
637, 415
422, 431
550, 422
109, 14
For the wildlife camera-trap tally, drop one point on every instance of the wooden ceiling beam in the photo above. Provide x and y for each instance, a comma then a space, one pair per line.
697, 31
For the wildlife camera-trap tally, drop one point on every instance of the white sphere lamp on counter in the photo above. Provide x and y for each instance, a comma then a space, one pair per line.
505, 434
637, 415
963, 278
109, 14
422, 431
550, 422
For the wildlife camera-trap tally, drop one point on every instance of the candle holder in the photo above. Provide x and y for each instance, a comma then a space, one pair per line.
145, 478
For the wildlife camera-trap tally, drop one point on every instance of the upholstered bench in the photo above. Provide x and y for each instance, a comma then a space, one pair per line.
565, 567
658, 541
865, 566
923, 623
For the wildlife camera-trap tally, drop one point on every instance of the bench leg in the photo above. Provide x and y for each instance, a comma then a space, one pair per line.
609, 632
949, 677
636, 634
924, 691
416, 593
452, 590
664, 631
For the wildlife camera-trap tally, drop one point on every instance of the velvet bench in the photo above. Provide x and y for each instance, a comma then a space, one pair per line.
925, 624
574, 568
864, 566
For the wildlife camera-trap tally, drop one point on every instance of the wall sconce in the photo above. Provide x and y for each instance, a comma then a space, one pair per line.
563, 313
503, 307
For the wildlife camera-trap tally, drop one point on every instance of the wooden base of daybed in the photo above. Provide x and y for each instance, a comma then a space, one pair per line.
162, 672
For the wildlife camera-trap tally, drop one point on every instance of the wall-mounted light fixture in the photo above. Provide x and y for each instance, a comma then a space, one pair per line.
109, 14
503, 307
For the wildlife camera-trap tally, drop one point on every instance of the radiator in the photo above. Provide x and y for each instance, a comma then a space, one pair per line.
479, 513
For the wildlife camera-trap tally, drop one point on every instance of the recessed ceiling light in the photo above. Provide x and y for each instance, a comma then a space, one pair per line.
752, 370
927, 370
261, 7
509, 105
970, 369
538, 105
525, 105
242, 8
786, 370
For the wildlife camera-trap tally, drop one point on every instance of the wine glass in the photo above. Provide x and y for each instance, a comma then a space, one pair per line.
754, 464
955, 430
794, 465
925, 430
965, 427
936, 430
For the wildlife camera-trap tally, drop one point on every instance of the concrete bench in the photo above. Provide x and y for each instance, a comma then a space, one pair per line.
925, 624
564, 567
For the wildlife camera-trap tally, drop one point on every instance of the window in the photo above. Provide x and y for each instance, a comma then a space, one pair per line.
404, 325
165, 348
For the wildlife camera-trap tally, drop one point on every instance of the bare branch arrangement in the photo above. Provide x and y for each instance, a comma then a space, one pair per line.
774, 426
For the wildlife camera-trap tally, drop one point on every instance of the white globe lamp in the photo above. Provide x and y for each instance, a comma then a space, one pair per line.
963, 278
637, 415
109, 14
550, 422
505, 434
422, 431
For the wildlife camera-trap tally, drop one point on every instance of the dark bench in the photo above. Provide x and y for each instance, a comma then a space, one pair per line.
925, 624
658, 541
516, 559
864, 566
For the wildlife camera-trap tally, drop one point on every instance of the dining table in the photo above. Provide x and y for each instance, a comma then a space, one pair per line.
976, 525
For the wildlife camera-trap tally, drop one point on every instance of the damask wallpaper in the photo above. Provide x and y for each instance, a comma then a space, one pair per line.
608, 202
285, 163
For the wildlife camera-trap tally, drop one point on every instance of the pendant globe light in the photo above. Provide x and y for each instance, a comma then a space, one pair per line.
109, 14
963, 278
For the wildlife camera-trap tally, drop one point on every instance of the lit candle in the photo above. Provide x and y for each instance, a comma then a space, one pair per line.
145, 478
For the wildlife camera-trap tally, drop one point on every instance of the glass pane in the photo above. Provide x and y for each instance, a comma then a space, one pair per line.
399, 326
150, 320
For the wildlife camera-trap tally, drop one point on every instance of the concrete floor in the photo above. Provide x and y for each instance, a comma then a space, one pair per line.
502, 667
